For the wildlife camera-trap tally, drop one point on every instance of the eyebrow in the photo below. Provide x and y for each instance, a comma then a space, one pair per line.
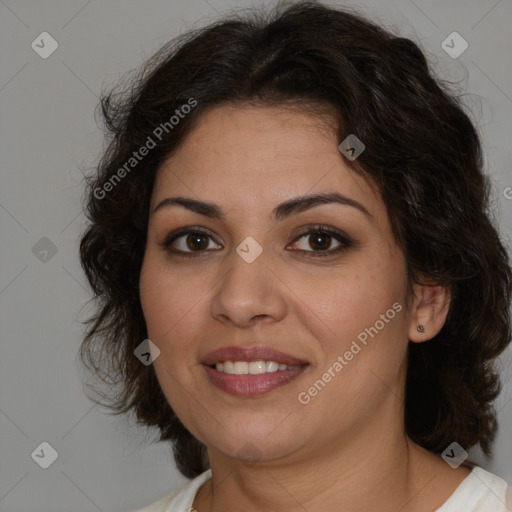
281, 211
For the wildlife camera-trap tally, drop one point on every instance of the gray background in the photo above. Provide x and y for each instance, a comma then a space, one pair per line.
48, 133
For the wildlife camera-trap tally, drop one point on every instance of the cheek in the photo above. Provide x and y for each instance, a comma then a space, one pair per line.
362, 301
170, 300
171, 304
363, 348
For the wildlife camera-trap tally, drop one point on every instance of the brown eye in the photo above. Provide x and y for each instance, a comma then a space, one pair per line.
196, 241
319, 240
188, 242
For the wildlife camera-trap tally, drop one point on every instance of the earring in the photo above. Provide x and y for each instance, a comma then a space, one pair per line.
421, 328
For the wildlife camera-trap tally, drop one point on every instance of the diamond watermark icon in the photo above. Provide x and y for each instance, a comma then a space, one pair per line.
454, 45
454, 455
147, 352
249, 249
44, 250
44, 455
351, 147
249, 453
44, 45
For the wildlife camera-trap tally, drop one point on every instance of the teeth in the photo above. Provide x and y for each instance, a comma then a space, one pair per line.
228, 367
272, 366
252, 368
256, 367
240, 367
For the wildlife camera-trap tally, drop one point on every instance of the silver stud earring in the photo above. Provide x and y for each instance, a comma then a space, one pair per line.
421, 328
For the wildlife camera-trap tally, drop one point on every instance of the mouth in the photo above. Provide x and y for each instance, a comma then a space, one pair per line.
251, 372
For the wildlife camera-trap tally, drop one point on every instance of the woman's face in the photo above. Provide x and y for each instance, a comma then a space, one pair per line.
334, 302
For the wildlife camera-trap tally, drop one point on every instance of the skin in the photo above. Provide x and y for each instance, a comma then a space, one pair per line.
346, 449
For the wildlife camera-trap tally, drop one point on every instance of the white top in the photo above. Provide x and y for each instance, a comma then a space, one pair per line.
480, 491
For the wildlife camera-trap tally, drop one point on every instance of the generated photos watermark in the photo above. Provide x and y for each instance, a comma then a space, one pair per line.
305, 397
137, 156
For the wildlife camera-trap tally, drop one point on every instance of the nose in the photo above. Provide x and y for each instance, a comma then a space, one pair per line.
249, 293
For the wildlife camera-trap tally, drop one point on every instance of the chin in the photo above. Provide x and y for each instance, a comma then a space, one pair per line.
252, 445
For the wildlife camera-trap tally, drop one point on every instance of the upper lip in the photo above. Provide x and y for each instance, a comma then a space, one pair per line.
256, 353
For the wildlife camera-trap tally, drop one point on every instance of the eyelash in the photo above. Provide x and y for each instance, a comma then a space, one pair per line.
345, 241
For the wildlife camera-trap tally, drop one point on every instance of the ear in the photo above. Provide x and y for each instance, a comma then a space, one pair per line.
429, 308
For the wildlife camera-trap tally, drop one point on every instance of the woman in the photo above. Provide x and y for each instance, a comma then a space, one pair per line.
298, 281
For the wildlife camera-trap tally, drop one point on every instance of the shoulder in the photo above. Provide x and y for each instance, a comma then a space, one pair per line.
181, 499
480, 491
163, 504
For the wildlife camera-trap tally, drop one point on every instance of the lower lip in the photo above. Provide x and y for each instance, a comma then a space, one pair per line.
252, 385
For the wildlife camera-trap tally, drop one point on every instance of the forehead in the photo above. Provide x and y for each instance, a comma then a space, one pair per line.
261, 156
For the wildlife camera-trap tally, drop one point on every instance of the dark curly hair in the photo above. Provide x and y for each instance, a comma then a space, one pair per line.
423, 153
